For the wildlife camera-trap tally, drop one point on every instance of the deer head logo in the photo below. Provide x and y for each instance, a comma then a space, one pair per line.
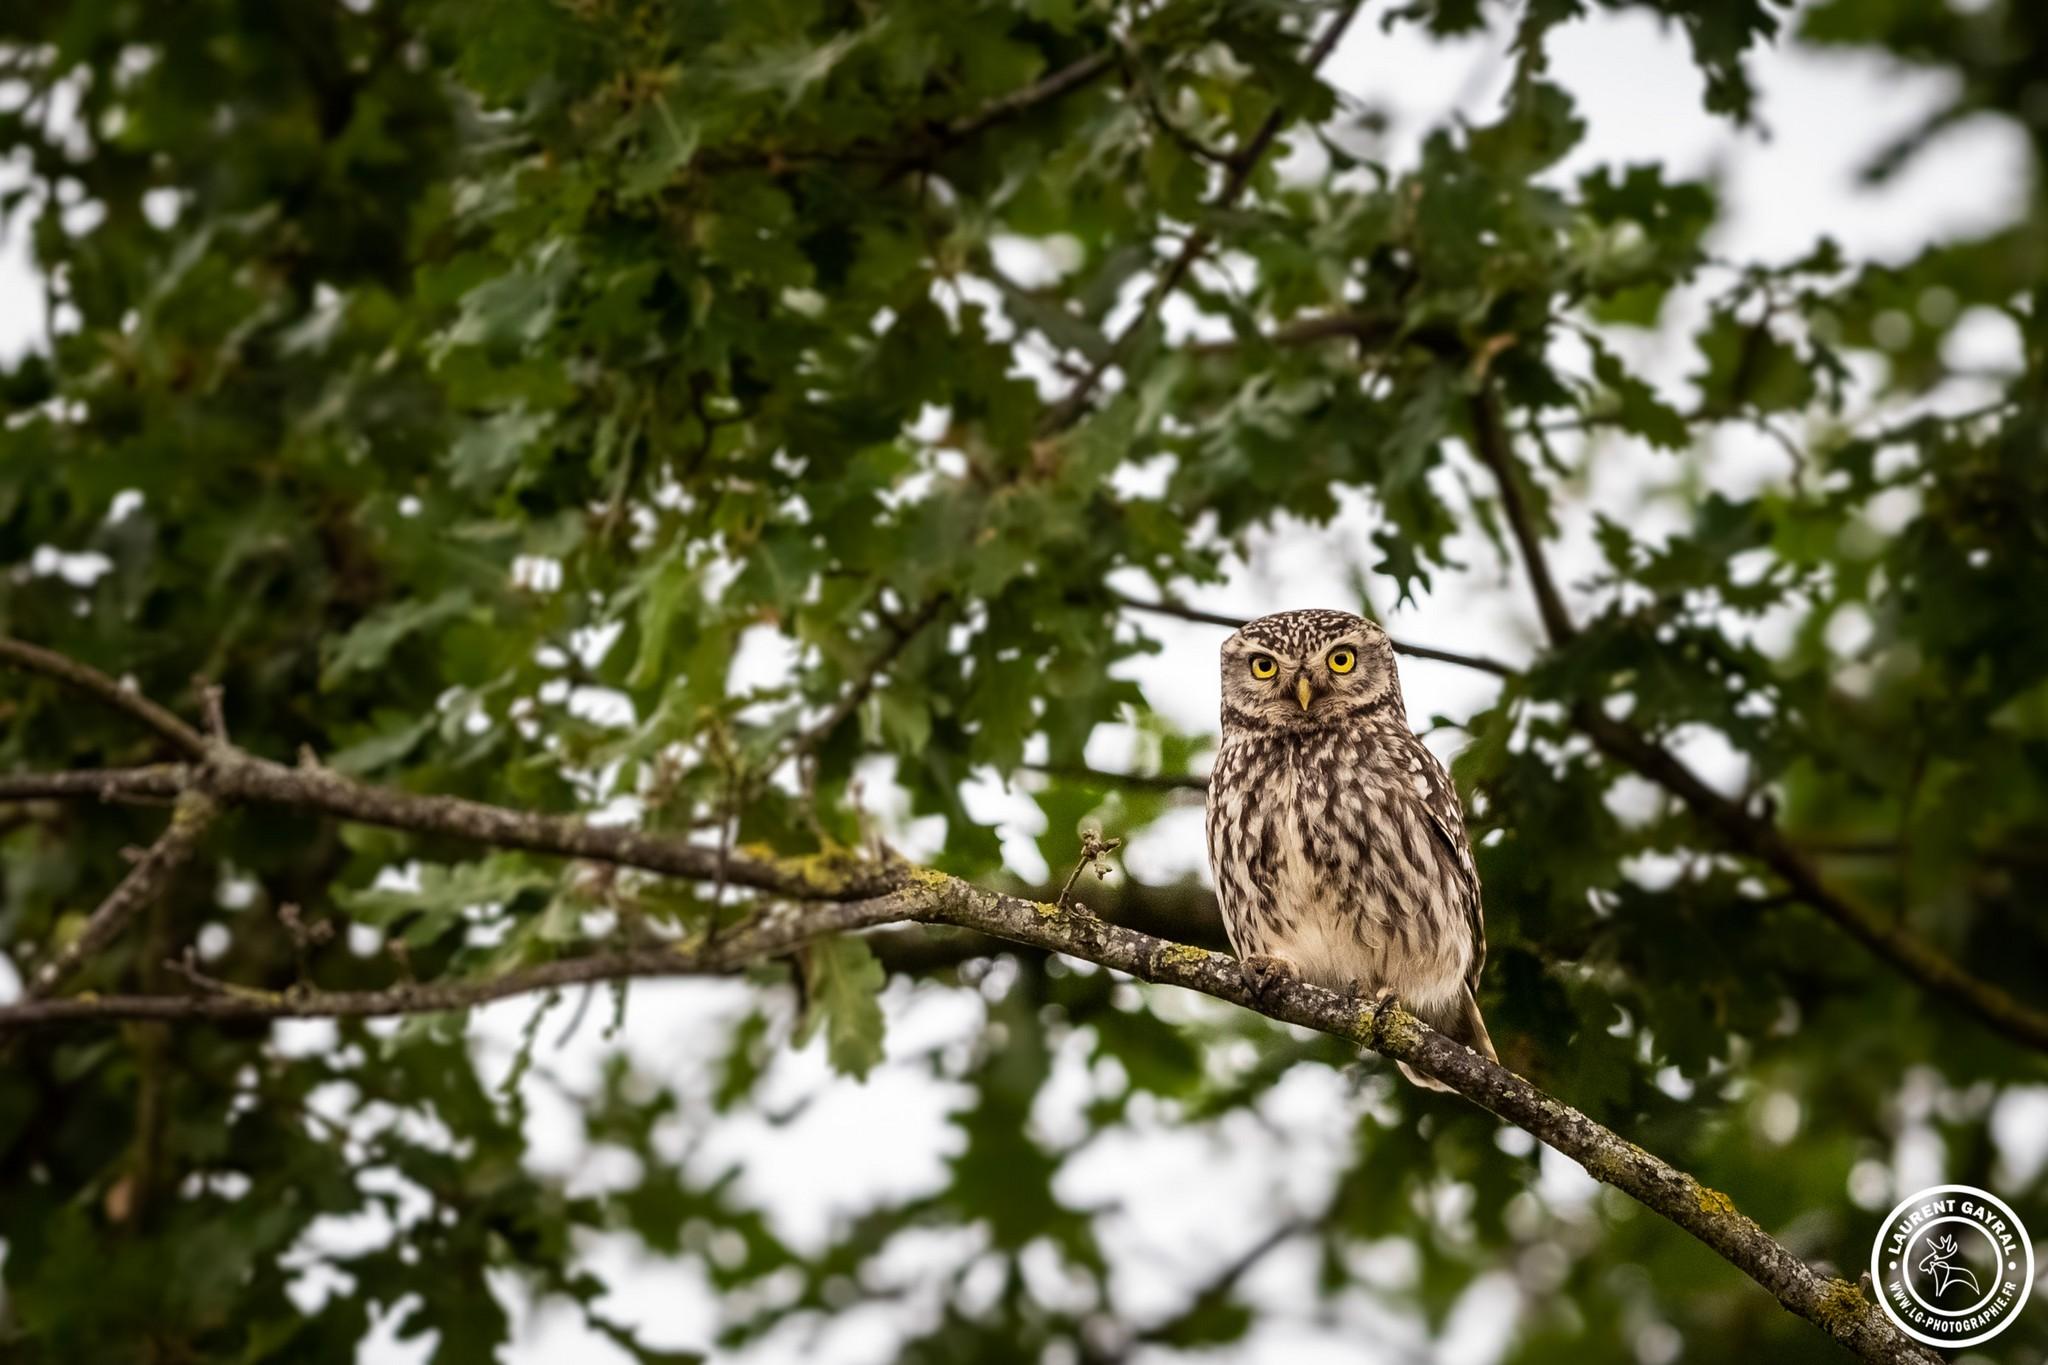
1941, 1252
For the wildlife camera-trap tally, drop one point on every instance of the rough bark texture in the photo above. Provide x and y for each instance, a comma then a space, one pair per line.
807, 898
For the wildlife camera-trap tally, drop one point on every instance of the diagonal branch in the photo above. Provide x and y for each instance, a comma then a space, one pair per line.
143, 884
844, 893
1244, 163
901, 634
1914, 957
1835, 1305
69, 671
1049, 87
1490, 441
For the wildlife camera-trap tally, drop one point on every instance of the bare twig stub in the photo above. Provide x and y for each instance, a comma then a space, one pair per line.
1094, 850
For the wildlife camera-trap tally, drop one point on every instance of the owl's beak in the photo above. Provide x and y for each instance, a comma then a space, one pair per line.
1301, 690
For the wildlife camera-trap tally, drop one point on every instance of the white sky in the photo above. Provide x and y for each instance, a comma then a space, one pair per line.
1185, 1202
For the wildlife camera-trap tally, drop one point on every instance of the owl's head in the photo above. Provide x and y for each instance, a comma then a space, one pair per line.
1303, 669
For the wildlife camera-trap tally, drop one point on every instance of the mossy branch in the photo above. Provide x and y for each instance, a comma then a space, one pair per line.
821, 895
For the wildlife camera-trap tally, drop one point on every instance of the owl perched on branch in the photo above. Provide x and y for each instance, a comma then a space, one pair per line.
1336, 837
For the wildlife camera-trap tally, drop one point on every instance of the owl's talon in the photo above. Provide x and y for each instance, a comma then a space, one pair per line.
1261, 973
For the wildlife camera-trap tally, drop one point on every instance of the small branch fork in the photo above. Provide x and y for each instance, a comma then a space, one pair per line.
824, 897
1095, 851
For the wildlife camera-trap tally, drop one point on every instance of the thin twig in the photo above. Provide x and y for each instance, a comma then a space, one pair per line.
1183, 612
1219, 1286
213, 705
1490, 443
1094, 850
1069, 77
65, 669
863, 686
1148, 94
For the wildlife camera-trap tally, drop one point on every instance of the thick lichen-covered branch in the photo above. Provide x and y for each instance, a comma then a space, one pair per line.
812, 896
1073, 930
238, 778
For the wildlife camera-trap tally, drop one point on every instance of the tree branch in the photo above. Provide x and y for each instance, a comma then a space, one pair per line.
1837, 1306
1915, 958
844, 894
235, 776
1163, 782
35, 659
143, 884
1244, 163
1049, 87
1490, 442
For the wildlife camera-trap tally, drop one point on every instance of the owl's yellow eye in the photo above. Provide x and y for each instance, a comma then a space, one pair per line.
1342, 660
1263, 666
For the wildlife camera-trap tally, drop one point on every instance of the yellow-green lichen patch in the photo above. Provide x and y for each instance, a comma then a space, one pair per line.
926, 876
1390, 1030
1178, 955
1841, 1307
1713, 1201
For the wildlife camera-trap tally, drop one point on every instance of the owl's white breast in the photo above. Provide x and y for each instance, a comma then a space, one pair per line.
1337, 925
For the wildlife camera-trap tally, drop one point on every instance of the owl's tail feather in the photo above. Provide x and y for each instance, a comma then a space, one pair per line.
1466, 1026
1425, 1082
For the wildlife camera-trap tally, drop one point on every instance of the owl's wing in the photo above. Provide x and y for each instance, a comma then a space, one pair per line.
1440, 803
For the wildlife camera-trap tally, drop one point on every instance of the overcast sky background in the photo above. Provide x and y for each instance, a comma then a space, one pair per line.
1188, 1203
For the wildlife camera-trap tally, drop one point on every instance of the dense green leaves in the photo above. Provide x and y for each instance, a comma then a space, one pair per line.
654, 411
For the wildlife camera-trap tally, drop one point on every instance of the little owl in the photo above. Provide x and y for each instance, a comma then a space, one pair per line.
1336, 837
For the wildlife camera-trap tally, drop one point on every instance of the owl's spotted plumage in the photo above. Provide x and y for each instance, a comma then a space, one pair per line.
1336, 837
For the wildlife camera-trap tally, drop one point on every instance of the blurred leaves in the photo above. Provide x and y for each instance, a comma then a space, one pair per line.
638, 411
